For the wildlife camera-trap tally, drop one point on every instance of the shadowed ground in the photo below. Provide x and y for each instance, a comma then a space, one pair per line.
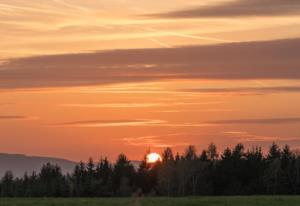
189, 201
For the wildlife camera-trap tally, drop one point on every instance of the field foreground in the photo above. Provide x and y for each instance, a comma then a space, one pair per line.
189, 201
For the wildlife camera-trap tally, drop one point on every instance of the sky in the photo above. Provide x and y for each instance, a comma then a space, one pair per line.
81, 78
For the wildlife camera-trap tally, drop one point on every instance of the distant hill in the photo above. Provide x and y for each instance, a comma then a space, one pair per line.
19, 164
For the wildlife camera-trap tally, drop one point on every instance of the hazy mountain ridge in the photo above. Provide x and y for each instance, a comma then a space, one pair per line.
20, 163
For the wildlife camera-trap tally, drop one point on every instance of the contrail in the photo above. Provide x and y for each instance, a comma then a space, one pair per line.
72, 6
13, 7
197, 37
160, 43
172, 33
261, 83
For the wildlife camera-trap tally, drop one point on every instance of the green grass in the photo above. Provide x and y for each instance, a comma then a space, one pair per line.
188, 201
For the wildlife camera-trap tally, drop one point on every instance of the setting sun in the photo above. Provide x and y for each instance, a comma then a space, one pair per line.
153, 157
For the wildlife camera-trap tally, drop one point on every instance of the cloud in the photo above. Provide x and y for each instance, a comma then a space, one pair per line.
164, 123
278, 59
158, 141
286, 120
114, 105
265, 89
239, 8
109, 123
194, 111
16, 117
248, 137
140, 105
128, 123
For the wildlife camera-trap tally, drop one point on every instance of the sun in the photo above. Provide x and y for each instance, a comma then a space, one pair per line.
153, 157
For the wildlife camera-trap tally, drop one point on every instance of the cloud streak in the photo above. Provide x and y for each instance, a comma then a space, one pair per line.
16, 117
164, 123
275, 89
114, 105
286, 120
140, 105
248, 137
157, 141
109, 123
278, 59
239, 8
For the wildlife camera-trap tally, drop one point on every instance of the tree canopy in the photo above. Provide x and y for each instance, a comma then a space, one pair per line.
235, 171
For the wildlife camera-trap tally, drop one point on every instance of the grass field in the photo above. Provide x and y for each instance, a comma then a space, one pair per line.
190, 201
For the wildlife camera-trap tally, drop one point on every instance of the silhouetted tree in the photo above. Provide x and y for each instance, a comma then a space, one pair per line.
104, 178
235, 172
274, 152
167, 173
212, 152
78, 179
7, 185
123, 176
51, 181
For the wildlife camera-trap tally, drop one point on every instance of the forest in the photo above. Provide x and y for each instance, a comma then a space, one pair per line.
236, 171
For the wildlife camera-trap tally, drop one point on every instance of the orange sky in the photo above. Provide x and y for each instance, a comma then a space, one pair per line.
88, 78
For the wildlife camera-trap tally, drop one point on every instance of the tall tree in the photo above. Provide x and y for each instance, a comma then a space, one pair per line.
123, 176
212, 152
166, 174
51, 179
7, 185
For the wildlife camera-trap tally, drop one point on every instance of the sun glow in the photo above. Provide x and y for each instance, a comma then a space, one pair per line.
153, 157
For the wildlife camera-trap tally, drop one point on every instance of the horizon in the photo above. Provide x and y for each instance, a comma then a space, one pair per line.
198, 152
81, 78
153, 158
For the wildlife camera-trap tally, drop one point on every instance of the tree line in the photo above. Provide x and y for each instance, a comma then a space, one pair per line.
235, 171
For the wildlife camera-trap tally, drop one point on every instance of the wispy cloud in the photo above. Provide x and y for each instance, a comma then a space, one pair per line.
261, 90
141, 105
214, 123
160, 43
242, 136
194, 110
114, 105
129, 123
165, 123
109, 123
158, 141
182, 35
239, 8
253, 60
17, 117
285, 120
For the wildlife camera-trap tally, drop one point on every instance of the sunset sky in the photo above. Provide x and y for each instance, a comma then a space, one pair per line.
82, 78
